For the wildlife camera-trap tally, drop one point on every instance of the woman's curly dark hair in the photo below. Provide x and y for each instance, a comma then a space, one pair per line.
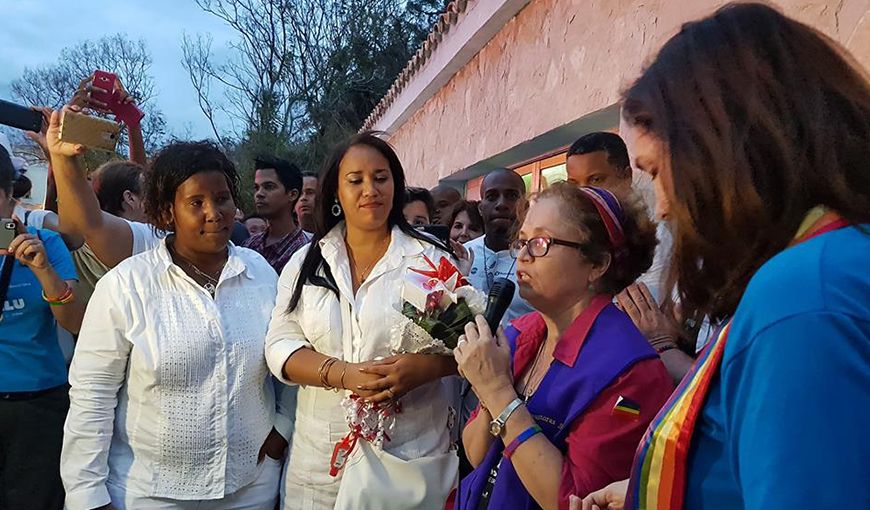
579, 212
176, 163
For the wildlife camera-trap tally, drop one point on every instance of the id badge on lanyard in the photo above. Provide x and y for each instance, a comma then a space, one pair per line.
483, 502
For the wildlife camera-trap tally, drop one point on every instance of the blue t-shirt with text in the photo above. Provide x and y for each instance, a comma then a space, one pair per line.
30, 356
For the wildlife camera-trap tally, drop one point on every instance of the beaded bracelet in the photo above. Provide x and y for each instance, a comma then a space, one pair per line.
66, 298
520, 439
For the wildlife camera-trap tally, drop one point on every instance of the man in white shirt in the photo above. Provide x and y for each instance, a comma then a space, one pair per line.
500, 194
601, 160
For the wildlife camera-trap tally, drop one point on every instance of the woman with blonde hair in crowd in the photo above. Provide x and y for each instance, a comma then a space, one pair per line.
567, 391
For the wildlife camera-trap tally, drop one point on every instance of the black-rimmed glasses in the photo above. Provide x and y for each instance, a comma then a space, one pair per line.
539, 246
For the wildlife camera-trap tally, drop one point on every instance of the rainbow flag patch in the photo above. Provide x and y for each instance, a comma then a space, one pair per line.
626, 408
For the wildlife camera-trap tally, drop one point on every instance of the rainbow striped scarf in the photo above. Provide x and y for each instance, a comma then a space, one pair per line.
658, 477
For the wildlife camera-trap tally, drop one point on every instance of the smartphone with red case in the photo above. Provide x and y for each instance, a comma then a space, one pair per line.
105, 81
125, 112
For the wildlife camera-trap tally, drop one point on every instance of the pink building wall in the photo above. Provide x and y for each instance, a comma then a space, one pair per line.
559, 60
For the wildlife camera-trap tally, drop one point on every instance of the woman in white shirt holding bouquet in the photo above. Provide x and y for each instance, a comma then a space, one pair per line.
337, 303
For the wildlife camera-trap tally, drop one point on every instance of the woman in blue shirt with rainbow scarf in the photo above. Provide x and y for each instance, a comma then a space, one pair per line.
756, 129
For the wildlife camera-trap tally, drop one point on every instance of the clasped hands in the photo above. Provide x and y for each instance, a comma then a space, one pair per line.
389, 378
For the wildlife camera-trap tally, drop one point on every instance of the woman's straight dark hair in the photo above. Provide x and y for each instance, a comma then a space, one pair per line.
314, 270
765, 118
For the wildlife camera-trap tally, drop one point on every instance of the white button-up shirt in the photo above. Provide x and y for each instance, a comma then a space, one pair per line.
421, 430
170, 393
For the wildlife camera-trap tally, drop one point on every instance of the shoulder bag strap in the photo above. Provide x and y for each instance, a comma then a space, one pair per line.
5, 278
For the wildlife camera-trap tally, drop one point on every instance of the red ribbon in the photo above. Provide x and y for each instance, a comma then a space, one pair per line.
345, 447
442, 272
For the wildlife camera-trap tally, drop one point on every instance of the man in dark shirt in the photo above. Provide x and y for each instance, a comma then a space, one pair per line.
277, 186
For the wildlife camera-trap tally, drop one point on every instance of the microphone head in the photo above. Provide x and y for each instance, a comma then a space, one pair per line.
502, 286
499, 299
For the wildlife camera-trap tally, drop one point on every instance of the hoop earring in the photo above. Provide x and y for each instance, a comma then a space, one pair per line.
336, 209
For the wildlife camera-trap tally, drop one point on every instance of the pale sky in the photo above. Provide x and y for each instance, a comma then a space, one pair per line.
32, 33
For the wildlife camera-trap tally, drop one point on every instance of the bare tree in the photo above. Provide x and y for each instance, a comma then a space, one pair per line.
258, 94
301, 74
54, 85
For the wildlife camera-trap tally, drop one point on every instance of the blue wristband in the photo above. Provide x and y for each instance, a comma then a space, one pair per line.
520, 439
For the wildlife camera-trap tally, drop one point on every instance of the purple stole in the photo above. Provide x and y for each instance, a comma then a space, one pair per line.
612, 346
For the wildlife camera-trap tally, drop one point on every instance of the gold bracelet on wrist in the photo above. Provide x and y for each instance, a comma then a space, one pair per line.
341, 379
323, 372
326, 374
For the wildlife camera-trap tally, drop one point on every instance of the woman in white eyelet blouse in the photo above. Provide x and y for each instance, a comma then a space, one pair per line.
171, 401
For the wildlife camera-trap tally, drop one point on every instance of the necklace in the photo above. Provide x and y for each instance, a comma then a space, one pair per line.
527, 387
364, 273
492, 273
490, 277
211, 282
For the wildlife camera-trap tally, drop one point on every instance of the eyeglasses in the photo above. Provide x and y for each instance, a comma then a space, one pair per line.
539, 246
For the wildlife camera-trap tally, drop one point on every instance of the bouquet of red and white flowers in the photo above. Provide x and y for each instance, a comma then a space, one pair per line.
437, 303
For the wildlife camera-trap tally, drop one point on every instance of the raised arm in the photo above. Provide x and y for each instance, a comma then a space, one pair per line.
110, 237
137, 144
134, 127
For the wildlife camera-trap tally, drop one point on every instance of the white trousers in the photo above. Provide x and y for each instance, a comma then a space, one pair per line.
261, 494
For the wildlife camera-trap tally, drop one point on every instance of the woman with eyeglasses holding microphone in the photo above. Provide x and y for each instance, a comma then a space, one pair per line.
567, 391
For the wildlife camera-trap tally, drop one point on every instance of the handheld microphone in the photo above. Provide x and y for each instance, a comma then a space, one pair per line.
497, 302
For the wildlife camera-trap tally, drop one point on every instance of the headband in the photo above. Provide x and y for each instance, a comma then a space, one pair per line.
610, 210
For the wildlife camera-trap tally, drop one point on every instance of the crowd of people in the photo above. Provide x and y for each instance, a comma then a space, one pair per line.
708, 347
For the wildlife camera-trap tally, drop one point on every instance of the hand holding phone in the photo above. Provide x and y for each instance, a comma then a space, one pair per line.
20, 117
126, 111
103, 92
102, 87
85, 130
39, 136
56, 147
8, 233
107, 89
